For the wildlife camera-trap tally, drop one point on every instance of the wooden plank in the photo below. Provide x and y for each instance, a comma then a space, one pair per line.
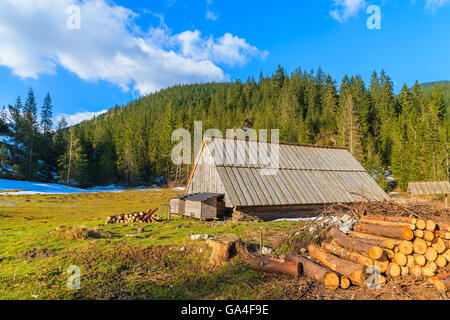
335, 154
253, 154
294, 158
341, 186
229, 186
273, 183
284, 187
282, 161
327, 185
252, 191
314, 187
194, 167
306, 163
245, 192
310, 157
221, 189
296, 192
317, 156
304, 183
326, 161
272, 195
258, 184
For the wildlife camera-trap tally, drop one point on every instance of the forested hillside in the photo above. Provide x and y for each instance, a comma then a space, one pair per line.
428, 89
132, 144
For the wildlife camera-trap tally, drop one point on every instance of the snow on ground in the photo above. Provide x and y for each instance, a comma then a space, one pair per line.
14, 187
299, 219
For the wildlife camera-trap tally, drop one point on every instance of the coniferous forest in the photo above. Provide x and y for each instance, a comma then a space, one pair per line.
131, 145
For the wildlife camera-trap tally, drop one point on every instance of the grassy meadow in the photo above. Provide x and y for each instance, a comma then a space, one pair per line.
159, 262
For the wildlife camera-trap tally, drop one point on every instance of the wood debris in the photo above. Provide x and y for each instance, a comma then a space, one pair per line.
135, 217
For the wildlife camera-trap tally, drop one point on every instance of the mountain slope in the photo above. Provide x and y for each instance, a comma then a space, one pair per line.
428, 88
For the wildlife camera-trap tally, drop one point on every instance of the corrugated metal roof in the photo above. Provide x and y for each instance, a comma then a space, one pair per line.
429, 187
304, 174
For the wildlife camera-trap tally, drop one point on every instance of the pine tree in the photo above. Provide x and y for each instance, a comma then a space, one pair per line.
49, 163
47, 115
59, 143
16, 128
73, 163
30, 128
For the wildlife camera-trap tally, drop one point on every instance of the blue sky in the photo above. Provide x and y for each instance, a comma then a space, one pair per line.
123, 49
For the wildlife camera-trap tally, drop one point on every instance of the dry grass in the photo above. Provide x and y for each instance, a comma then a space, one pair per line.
79, 233
162, 262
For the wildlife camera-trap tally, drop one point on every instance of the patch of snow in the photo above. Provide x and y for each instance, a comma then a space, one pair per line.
26, 187
178, 188
200, 236
299, 219
110, 187
15, 187
6, 139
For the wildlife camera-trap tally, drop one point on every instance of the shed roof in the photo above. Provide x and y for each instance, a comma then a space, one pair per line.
429, 187
199, 196
302, 175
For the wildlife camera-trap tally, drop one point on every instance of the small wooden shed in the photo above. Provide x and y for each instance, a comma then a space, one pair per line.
421, 188
199, 205
203, 205
177, 204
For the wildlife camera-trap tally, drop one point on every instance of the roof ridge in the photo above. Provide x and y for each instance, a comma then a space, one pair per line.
280, 143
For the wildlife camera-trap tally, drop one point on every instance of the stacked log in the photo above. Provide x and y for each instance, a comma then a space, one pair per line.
353, 271
318, 272
420, 247
134, 217
388, 243
396, 246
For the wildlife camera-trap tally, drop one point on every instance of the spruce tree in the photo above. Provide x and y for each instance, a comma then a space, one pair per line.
47, 115
73, 163
30, 130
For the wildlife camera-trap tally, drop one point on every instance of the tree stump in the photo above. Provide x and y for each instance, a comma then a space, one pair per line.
223, 248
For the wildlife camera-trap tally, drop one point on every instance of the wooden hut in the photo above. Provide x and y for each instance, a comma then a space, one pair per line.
177, 204
279, 180
420, 188
204, 205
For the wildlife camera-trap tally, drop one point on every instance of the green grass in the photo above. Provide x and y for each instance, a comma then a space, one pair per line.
127, 265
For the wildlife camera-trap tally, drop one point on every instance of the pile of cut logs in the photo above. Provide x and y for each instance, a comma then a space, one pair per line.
397, 246
135, 217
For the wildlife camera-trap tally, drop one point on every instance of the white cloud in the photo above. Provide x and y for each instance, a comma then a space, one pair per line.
228, 49
211, 15
109, 46
433, 5
345, 9
210, 12
73, 119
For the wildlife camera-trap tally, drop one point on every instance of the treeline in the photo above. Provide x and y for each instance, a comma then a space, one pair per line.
132, 144
29, 147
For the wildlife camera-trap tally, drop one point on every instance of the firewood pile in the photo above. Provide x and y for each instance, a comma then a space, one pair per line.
135, 217
380, 247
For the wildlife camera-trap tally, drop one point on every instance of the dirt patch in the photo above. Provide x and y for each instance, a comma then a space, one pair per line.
36, 254
80, 233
